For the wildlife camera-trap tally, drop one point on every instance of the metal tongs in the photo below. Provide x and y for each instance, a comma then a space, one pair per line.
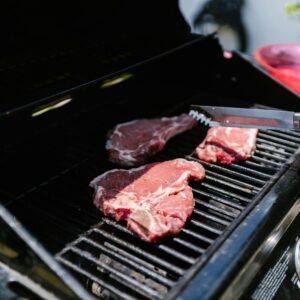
246, 117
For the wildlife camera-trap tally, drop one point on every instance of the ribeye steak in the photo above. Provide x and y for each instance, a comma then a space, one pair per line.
132, 143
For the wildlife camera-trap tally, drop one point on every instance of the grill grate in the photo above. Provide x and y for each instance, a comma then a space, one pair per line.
112, 262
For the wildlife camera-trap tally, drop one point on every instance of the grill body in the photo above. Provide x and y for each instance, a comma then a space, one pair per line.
64, 149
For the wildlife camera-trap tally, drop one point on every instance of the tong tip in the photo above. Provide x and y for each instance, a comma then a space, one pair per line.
200, 117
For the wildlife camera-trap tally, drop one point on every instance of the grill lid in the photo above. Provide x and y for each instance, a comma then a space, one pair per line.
48, 53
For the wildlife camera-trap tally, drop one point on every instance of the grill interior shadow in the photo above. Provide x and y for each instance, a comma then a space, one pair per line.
104, 255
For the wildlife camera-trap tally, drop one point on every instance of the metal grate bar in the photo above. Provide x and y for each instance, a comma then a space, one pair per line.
147, 255
228, 171
277, 145
205, 226
120, 277
254, 165
287, 132
177, 254
134, 258
91, 277
189, 245
265, 161
281, 135
217, 209
211, 217
277, 140
225, 192
234, 181
162, 247
218, 199
197, 235
253, 172
231, 185
125, 260
271, 156
272, 149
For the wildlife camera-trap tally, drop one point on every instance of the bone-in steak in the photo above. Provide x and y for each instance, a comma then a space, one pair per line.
134, 142
227, 144
154, 199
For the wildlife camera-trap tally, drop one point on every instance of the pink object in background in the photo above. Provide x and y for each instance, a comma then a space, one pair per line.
227, 54
282, 62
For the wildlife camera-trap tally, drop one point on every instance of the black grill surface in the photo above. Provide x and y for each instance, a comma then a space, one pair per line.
104, 255
111, 260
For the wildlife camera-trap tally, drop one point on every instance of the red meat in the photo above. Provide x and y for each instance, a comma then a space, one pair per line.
154, 199
227, 144
134, 142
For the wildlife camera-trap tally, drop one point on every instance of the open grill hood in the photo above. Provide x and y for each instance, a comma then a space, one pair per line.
74, 252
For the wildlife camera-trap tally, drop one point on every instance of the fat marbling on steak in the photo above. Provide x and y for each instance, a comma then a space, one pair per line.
154, 199
227, 144
132, 143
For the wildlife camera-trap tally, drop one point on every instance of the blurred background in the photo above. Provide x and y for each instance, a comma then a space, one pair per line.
244, 24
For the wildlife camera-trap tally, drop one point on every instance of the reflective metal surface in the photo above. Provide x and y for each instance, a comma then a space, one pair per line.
247, 117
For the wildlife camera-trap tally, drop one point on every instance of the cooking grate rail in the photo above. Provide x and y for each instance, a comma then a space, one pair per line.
113, 262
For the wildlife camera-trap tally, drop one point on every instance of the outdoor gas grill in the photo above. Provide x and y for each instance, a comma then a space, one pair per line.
241, 239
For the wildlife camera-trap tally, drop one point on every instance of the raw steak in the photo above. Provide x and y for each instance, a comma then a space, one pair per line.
227, 144
134, 142
154, 199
